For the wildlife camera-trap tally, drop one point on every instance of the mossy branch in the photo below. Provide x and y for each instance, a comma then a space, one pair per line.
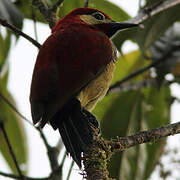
96, 157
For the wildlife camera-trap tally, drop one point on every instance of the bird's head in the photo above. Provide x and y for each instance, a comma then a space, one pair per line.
93, 18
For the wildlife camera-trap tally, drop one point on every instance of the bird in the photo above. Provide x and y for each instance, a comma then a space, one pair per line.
73, 71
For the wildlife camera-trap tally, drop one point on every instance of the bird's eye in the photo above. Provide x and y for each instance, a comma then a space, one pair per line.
98, 16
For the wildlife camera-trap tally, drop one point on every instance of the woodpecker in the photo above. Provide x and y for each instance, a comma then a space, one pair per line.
73, 71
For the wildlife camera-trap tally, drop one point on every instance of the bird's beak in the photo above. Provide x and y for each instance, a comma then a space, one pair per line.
115, 26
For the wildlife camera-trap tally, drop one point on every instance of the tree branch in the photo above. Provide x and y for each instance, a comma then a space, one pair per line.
11, 150
52, 152
49, 15
129, 86
20, 178
14, 109
132, 75
70, 170
19, 32
96, 157
56, 5
153, 64
144, 14
153, 135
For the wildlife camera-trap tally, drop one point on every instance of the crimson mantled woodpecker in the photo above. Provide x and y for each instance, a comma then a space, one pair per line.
73, 71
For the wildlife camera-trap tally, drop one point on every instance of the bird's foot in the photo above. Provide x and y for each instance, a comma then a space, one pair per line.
92, 119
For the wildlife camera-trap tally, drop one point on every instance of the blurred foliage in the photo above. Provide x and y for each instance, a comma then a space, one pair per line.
121, 113
167, 48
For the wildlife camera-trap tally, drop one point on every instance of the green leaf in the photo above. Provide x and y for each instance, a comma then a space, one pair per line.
157, 113
128, 113
119, 119
16, 134
125, 65
5, 43
115, 12
29, 11
154, 28
68, 6
10, 13
129, 63
103, 106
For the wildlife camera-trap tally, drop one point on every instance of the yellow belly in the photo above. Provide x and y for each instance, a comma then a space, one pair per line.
97, 89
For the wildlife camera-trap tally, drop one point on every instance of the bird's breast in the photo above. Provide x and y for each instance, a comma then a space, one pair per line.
98, 88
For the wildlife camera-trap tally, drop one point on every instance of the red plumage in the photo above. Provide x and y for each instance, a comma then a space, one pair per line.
74, 55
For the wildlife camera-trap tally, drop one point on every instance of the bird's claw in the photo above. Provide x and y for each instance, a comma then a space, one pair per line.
92, 119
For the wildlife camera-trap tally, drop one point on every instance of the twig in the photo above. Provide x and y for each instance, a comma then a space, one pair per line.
132, 75
144, 14
63, 159
122, 143
34, 23
9, 175
52, 151
153, 64
70, 170
86, 3
15, 110
129, 86
19, 32
11, 150
56, 5
20, 178
48, 14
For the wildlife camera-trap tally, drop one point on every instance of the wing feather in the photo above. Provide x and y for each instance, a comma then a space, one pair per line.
67, 61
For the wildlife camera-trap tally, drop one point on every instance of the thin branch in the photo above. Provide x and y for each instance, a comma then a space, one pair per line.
34, 23
15, 110
11, 150
129, 86
63, 159
70, 170
56, 5
19, 32
86, 3
153, 64
20, 178
96, 157
9, 175
48, 14
132, 75
153, 10
52, 151
153, 135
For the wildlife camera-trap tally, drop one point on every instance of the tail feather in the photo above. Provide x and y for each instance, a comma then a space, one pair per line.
67, 139
75, 130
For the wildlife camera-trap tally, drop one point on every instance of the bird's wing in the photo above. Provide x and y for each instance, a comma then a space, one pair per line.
67, 62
